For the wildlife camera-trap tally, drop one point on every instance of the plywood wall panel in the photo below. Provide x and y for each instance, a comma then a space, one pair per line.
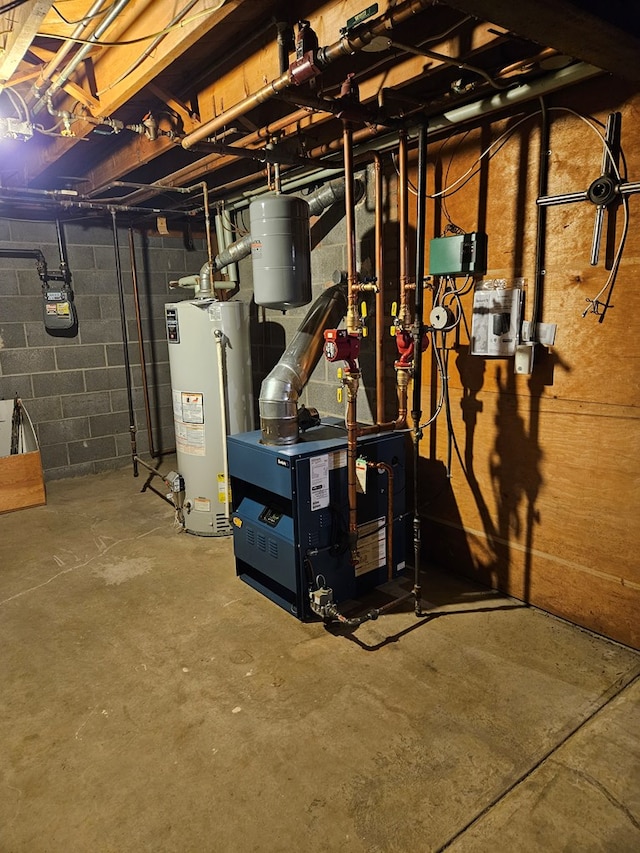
549, 505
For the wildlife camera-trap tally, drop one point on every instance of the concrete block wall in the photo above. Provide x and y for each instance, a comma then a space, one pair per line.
74, 389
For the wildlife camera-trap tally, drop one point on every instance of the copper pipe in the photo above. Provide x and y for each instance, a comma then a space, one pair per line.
523, 64
402, 384
214, 161
352, 372
384, 466
349, 44
351, 382
353, 317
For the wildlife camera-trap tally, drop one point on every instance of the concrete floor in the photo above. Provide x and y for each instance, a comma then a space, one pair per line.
153, 702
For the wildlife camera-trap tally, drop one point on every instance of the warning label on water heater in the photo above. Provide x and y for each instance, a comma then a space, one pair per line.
188, 420
188, 407
190, 438
192, 408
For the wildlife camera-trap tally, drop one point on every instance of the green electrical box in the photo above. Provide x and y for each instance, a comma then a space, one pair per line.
461, 254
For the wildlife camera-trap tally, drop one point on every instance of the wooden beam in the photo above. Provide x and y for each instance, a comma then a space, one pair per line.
176, 105
562, 25
25, 23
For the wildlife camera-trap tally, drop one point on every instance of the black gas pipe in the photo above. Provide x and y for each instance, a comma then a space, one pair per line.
123, 323
417, 333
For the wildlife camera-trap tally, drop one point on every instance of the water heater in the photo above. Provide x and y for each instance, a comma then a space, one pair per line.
280, 251
210, 365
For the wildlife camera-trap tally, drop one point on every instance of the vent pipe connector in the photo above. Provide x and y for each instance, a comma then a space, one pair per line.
282, 387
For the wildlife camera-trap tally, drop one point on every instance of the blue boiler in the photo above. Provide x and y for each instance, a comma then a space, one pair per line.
290, 515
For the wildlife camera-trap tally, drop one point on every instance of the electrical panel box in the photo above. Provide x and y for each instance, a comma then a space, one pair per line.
291, 518
461, 254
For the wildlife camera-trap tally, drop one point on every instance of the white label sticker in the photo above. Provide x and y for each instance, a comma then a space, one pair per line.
177, 405
319, 482
372, 546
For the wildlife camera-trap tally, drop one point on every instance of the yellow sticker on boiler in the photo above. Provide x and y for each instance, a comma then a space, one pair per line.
224, 492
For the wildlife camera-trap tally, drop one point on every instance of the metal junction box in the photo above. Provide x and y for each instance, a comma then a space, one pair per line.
290, 515
461, 254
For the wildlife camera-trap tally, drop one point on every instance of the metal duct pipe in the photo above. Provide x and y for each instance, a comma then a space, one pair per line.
346, 46
329, 194
281, 389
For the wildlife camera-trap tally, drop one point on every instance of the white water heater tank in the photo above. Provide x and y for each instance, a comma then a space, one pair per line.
280, 251
211, 388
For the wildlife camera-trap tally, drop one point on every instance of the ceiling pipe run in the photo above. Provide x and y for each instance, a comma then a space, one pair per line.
350, 43
82, 54
43, 81
380, 137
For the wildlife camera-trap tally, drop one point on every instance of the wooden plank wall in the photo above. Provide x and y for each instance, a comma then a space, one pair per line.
543, 501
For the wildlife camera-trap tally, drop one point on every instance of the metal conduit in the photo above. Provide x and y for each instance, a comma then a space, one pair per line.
83, 52
123, 323
61, 55
346, 46
143, 360
418, 331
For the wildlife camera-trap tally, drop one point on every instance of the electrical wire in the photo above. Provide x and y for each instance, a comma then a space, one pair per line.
595, 306
177, 18
83, 19
440, 369
9, 7
140, 39
17, 102
475, 166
